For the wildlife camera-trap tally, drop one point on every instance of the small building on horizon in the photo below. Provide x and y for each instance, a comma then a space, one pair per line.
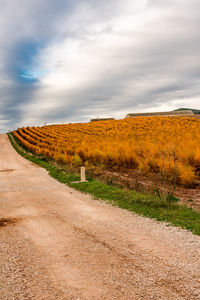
101, 119
176, 113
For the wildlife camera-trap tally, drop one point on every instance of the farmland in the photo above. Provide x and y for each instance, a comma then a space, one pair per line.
150, 145
57, 243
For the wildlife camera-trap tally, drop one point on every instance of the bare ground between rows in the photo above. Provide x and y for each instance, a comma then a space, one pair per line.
133, 179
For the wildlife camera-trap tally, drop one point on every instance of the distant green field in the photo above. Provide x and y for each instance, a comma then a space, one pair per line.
195, 111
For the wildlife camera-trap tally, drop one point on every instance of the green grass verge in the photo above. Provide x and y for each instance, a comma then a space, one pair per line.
142, 204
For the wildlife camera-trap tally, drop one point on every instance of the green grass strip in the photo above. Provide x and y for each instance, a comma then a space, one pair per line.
142, 204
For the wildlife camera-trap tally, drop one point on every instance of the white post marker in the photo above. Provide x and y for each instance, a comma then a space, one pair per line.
83, 174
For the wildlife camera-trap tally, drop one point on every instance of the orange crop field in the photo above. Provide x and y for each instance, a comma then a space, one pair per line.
151, 145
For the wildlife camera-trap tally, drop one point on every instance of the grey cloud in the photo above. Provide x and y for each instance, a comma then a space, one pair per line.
160, 66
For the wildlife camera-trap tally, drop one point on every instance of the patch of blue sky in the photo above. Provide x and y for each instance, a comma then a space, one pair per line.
23, 66
31, 75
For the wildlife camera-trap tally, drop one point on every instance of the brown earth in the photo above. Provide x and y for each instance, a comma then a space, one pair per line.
56, 243
133, 179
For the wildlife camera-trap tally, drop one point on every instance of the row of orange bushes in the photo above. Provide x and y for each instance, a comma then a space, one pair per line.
163, 145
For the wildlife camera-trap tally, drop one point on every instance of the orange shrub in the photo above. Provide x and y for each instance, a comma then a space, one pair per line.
150, 144
186, 175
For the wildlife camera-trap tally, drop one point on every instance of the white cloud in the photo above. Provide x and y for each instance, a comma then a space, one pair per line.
102, 58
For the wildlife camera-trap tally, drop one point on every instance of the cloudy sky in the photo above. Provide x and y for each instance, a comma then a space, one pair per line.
71, 60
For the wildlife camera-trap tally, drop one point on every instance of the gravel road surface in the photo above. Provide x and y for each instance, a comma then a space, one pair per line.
56, 243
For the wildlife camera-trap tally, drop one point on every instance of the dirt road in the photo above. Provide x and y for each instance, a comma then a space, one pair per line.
56, 243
